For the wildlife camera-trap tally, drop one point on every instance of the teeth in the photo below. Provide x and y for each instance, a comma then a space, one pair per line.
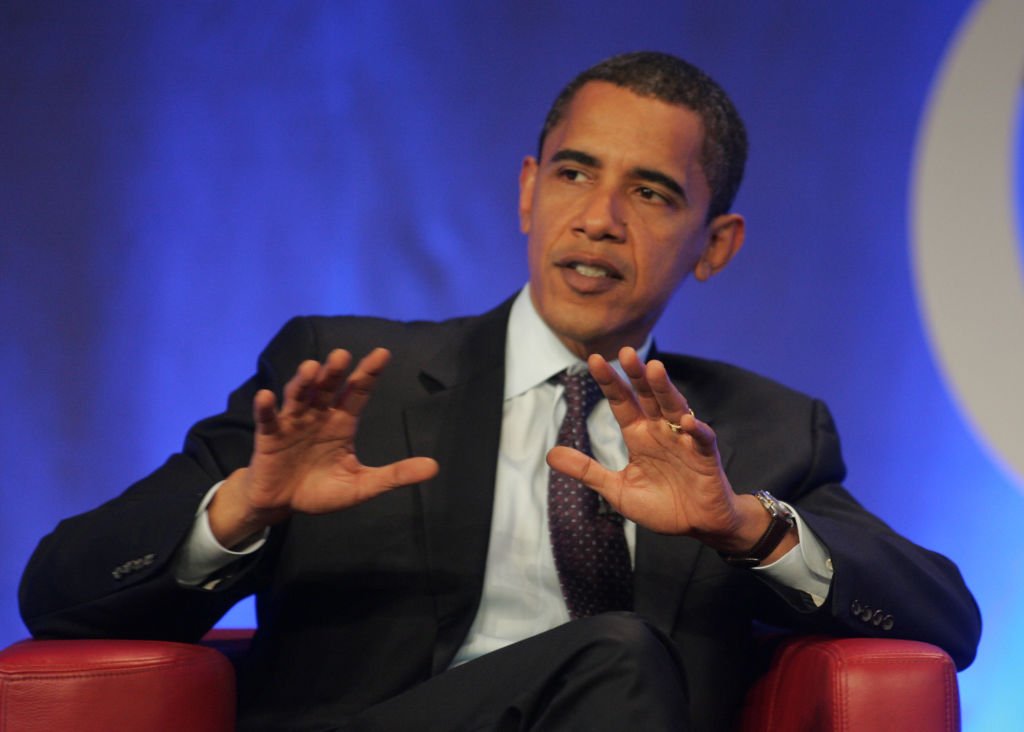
589, 270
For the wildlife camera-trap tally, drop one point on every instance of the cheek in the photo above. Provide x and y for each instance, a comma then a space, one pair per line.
545, 228
660, 270
674, 251
536, 254
531, 253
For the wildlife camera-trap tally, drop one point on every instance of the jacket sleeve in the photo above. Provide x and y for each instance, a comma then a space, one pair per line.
107, 572
884, 585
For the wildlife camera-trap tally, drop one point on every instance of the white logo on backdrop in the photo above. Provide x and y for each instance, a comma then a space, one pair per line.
965, 239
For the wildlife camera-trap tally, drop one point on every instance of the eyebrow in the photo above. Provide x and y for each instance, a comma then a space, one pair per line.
654, 176
651, 176
577, 156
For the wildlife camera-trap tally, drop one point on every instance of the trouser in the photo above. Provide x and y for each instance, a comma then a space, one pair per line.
607, 672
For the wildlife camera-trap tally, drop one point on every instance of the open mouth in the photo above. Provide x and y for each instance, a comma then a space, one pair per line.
592, 268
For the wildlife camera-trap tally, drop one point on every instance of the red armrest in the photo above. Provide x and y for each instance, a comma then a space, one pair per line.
812, 683
102, 685
817, 683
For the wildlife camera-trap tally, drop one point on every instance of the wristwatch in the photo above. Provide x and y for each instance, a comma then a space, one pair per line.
782, 521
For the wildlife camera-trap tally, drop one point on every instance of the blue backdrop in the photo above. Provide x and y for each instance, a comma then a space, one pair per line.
177, 179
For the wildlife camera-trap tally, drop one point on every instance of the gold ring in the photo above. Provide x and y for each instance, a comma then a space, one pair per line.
675, 427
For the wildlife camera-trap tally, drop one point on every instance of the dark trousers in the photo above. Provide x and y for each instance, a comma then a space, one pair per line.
607, 672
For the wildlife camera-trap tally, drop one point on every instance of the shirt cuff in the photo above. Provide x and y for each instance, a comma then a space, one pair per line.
201, 556
807, 567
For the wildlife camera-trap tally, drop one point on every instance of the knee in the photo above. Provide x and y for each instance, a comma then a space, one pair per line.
631, 642
633, 665
625, 629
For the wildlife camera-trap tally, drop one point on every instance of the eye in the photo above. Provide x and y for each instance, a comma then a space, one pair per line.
649, 194
573, 175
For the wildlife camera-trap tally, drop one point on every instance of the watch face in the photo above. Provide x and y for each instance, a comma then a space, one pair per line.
768, 501
773, 507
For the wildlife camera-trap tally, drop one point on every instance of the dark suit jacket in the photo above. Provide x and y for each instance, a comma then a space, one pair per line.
359, 605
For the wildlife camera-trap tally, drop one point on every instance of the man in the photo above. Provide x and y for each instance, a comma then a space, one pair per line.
433, 591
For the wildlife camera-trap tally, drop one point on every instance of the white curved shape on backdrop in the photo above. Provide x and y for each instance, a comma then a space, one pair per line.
966, 250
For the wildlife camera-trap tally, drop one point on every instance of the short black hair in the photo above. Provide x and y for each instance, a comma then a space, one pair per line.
672, 80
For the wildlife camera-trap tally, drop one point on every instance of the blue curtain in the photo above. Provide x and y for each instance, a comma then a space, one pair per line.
177, 179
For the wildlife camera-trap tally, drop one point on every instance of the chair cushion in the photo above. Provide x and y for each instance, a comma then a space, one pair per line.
817, 683
94, 685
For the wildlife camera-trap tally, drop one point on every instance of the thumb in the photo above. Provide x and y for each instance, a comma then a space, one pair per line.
579, 466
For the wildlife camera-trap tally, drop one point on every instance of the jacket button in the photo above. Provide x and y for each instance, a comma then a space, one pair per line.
888, 622
855, 607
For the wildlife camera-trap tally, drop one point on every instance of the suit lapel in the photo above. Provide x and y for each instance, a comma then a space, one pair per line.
458, 421
664, 565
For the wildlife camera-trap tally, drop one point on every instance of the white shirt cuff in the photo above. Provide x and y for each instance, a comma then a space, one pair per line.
807, 567
201, 555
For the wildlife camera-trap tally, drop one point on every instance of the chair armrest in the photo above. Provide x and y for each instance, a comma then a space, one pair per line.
100, 685
812, 683
818, 683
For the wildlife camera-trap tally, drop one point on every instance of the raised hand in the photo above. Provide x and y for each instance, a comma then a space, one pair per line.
304, 456
674, 482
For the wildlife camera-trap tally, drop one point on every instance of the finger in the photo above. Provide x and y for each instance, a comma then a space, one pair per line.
637, 373
676, 410
620, 397
700, 437
398, 474
330, 377
581, 467
357, 389
264, 412
298, 392
671, 404
702, 434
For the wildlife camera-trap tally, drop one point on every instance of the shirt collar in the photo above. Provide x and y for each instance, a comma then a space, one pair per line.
533, 353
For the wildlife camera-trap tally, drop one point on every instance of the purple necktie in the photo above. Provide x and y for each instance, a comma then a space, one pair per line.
589, 545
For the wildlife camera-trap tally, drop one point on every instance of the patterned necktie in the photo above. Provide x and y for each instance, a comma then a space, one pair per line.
589, 545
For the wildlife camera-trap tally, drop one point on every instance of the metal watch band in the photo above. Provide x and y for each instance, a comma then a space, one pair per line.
781, 522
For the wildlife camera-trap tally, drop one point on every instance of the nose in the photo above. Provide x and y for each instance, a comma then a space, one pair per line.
601, 216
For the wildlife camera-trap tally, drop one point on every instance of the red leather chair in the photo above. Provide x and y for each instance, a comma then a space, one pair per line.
853, 684
811, 683
94, 685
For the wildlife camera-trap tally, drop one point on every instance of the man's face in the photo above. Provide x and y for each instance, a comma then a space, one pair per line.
615, 212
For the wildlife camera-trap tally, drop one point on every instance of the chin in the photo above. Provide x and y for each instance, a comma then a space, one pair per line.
593, 336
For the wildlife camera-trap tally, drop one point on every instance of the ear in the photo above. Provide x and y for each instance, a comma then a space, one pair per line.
527, 178
725, 237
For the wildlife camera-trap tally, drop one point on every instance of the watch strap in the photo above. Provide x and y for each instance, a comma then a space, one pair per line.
781, 521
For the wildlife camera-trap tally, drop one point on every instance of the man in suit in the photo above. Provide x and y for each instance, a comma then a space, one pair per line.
424, 593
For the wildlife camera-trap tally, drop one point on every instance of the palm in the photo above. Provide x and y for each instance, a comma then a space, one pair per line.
673, 482
304, 457
310, 463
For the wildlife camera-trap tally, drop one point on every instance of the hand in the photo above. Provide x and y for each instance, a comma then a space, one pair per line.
674, 482
304, 456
